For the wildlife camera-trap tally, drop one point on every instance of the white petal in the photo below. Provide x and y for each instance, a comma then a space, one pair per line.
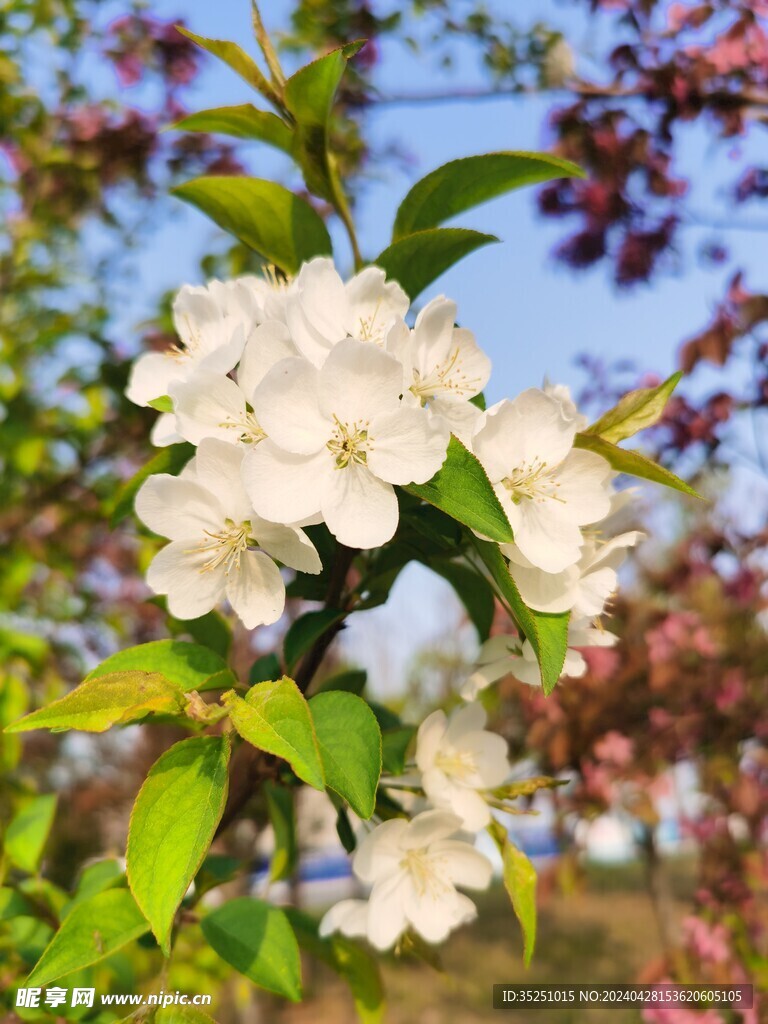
594, 590
221, 345
489, 752
209, 406
360, 510
461, 418
164, 431
584, 486
468, 719
408, 446
151, 376
386, 911
470, 806
545, 591
267, 345
429, 827
515, 433
256, 590
350, 917
286, 404
379, 853
288, 545
176, 508
429, 738
544, 536
464, 865
218, 467
284, 488
358, 382
435, 918
373, 304
177, 570
317, 310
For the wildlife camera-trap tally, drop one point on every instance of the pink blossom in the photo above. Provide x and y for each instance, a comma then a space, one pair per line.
614, 748
707, 942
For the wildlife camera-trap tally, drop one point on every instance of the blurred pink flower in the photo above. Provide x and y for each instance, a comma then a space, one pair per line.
707, 942
614, 748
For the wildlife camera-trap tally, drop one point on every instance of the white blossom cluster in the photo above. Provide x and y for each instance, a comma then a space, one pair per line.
309, 400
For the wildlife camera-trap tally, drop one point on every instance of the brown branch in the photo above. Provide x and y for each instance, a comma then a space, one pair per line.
250, 766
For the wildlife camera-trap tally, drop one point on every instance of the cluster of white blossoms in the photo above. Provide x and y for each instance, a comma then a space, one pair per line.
414, 868
309, 401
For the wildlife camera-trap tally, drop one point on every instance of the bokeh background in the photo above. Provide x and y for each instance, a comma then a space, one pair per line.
653, 858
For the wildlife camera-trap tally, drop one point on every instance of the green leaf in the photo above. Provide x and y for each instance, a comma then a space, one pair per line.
635, 411
305, 631
13, 904
417, 260
351, 680
243, 122
172, 824
114, 699
264, 669
275, 717
257, 940
394, 746
350, 747
309, 98
633, 463
210, 630
473, 592
95, 878
280, 226
462, 489
162, 404
462, 184
350, 961
527, 787
189, 666
169, 460
28, 831
547, 633
93, 931
283, 819
520, 883
236, 58
177, 1015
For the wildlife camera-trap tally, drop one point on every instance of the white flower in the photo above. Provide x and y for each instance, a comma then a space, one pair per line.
413, 868
458, 760
218, 546
547, 488
339, 438
504, 655
443, 365
583, 588
213, 405
321, 310
211, 340
562, 394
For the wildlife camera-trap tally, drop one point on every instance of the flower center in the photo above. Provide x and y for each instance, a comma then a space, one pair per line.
369, 329
533, 481
226, 547
349, 443
423, 870
249, 430
458, 764
446, 378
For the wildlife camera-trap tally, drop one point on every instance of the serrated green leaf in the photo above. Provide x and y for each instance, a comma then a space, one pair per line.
635, 411
94, 930
257, 940
172, 824
283, 820
280, 226
242, 122
190, 666
350, 961
275, 717
169, 460
473, 592
417, 260
520, 883
28, 832
547, 633
305, 631
234, 57
309, 98
472, 180
349, 739
113, 699
462, 489
633, 463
